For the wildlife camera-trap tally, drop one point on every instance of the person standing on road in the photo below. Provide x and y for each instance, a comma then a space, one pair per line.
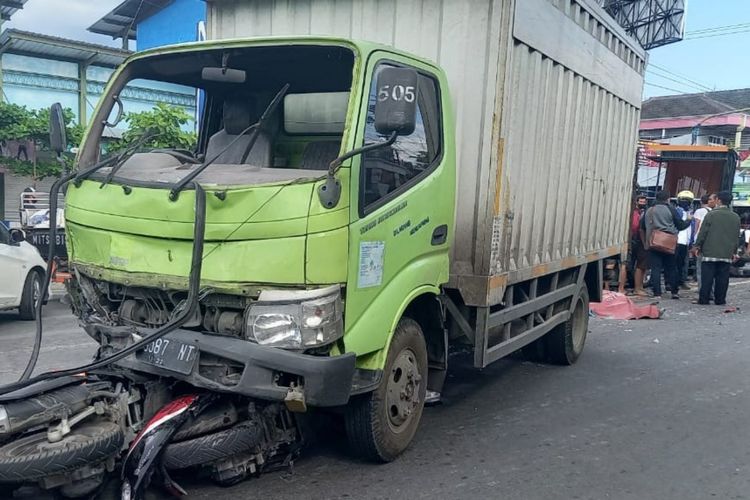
639, 255
684, 238
663, 217
717, 243
708, 202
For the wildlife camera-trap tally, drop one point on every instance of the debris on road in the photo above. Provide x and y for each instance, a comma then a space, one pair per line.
618, 306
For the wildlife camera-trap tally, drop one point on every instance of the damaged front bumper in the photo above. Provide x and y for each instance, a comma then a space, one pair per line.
231, 365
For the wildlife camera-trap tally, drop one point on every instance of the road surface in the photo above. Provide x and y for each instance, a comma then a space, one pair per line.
655, 409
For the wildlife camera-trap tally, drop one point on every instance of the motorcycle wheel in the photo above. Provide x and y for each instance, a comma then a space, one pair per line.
212, 447
33, 457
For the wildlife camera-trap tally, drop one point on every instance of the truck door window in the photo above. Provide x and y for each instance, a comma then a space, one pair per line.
389, 170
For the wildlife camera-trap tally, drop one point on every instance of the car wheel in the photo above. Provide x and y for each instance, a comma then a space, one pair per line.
32, 294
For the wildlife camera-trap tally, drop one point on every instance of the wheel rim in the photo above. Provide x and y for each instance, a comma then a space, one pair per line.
402, 391
580, 325
36, 291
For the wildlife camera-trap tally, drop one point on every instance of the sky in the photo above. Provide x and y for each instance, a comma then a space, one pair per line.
714, 63
71, 21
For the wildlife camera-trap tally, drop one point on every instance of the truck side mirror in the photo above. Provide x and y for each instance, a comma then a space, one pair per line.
396, 105
57, 140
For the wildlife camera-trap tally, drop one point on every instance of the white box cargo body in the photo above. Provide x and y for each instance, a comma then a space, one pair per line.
546, 95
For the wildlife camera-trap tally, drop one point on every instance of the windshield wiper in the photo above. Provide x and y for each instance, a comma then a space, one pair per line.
255, 127
125, 155
117, 160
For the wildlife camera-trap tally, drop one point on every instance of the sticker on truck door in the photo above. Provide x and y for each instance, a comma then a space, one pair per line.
370, 263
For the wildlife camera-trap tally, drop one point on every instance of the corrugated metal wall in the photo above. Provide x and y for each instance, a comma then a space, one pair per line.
463, 37
569, 167
570, 130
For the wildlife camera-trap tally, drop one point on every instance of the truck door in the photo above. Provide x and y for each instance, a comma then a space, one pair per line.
402, 208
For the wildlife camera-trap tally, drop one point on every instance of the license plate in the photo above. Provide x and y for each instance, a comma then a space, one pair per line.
42, 239
169, 354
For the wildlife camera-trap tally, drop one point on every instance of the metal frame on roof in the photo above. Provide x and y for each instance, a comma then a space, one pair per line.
120, 22
14, 41
653, 23
10, 7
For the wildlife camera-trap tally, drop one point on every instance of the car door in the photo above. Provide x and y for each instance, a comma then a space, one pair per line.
12, 272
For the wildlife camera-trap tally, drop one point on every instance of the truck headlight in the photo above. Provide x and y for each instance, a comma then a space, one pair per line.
296, 319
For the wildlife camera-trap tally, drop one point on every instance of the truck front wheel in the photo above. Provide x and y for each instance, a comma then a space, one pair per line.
381, 425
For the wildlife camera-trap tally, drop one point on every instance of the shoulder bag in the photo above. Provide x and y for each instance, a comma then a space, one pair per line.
661, 241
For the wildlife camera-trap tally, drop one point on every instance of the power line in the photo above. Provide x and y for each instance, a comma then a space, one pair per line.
665, 88
719, 28
682, 82
717, 34
678, 75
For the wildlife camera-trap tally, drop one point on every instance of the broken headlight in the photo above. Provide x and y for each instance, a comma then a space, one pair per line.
296, 319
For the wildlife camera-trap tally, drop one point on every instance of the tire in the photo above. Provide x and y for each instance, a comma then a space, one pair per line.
378, 425
212, 447
564, 344
32, 294
33, 457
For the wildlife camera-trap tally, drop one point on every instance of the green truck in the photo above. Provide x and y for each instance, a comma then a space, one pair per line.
353, 212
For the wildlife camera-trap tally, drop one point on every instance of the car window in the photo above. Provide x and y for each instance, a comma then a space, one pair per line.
386, 169
4, 235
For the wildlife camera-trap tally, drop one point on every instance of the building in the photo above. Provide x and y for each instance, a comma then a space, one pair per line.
709, 118
38, 70
154, 23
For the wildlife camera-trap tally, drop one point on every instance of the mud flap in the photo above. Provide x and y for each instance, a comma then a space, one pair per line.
145, 452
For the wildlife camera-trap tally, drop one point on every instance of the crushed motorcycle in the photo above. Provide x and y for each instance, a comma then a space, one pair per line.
170, 389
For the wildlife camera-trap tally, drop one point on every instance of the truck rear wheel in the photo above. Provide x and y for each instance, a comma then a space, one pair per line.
381, 425
564, 344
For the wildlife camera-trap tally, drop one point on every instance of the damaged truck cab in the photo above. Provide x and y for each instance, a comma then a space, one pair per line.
329, 175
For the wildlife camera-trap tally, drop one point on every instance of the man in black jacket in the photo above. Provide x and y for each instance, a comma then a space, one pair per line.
663, 217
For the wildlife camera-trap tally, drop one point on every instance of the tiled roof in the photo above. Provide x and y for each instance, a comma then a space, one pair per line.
704, 104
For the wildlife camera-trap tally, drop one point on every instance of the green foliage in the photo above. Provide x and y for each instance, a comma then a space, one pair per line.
26, 168
165, 122
19, 123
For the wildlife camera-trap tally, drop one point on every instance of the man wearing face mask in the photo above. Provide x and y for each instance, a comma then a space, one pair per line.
639, 253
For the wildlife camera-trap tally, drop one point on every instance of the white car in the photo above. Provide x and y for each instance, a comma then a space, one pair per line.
21, 273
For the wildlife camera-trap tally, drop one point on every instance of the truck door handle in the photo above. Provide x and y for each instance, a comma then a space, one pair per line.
439, 235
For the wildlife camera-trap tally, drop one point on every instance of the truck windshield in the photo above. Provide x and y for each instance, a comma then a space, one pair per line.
205, 106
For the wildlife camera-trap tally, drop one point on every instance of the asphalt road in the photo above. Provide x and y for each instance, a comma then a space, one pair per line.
655, 409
